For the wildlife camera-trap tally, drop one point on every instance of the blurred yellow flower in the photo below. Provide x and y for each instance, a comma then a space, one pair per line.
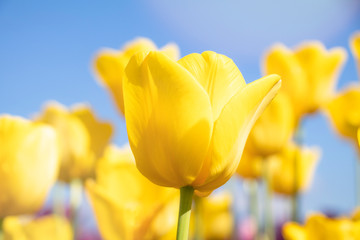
344, 113
126, 204
309, 73
355, 48
28, 165
110, 64
282, 169
43, 228
274, 128
251, 165
318, 226
188, 121
215, 214
82, 138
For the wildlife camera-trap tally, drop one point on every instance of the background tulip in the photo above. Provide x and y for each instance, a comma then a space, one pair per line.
110, 65
284, 179
309, 73
188, 121
82, 138
28, 165
344, 113
318, 226
42, 228
273, 129
126, 204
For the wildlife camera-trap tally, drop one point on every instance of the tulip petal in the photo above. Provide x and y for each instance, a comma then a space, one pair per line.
99, 132
232, 129
109, 67
168, 117
218, 75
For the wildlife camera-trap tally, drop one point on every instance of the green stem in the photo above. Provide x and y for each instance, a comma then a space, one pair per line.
253, 187
269, 224
198, 229
1, 229
295, 198
186, 194
357, 180
75, 202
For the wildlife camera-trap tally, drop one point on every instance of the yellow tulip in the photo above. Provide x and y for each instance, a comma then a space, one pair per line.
344, 113
355, 48
188, 121
318, 226
82, 138
273, 129
251, 165
110, 65
215, 214
309, 73
43, 228
126, 204
28, 165
282, 169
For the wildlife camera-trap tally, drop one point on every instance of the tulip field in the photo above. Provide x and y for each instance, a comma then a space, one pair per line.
168, 120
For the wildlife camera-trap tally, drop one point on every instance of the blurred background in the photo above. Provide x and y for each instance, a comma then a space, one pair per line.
47, 50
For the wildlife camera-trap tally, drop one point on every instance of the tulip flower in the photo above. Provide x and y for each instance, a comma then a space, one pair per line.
355, 49
344, 113
82, 138
283, 175
309, 73
43, 228
28, 165
318, 226
251, 165
273, 129
109, 65
188, 121
215, 216
127, 206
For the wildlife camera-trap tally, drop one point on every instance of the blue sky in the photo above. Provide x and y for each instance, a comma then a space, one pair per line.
47, 47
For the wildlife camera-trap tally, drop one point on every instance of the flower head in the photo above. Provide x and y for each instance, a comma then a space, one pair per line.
127, 205
318, 226
28, 165
82, 138
309, 73
344, 113
282, 173
110, 65
188, 120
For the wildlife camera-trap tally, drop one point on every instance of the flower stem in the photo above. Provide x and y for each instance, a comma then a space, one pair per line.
253, 188
269, 224
1, 228
198, 235
75, 202
186, 194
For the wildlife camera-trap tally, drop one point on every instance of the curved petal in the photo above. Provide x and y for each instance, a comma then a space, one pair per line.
232, 129
168, 117
218, 75
109, 66
100, 133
